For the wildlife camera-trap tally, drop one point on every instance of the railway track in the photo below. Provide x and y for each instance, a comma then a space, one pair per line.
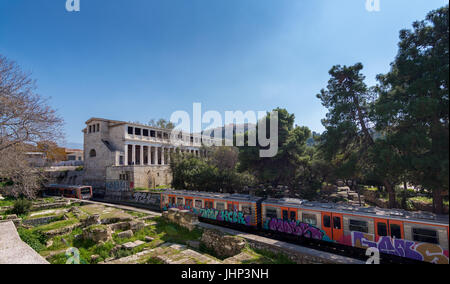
333, 248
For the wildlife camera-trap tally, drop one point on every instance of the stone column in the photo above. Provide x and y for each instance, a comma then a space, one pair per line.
141, 152
149, 155
162, 156
133, 154
125, 158
169, 152
156, 155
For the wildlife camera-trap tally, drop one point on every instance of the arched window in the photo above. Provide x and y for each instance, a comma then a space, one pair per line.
92, 153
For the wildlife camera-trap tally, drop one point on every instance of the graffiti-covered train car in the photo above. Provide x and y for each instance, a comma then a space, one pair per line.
414, 235
230, 208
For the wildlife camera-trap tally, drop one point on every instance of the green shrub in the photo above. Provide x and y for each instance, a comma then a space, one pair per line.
21, 207
35, 239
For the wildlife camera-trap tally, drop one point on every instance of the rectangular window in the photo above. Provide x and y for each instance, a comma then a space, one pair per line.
180, 201
189, 203
396, 231
145, 132
382, 229
425, 236
198, 204
271, 213
247, 210
285, 214
310, 219
359, 226
171, 200
98, 127
220, 206
152, 133
337, 223
90, 128
292, 215
209, 205
327, 221
121, 160
137, 131
130, 130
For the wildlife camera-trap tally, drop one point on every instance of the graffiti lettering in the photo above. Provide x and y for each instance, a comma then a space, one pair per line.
235, 217
403, 248
296, 228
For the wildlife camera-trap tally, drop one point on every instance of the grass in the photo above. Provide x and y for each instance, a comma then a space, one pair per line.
8, 201
170, 232
35, 239
57, 225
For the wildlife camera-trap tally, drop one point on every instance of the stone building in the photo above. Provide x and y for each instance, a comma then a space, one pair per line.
121, 154
74, 154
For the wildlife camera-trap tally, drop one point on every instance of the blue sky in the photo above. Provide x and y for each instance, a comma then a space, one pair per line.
135, 60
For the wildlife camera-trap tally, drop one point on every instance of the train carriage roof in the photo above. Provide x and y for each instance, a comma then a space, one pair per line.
376, 212
213, 195
65, 186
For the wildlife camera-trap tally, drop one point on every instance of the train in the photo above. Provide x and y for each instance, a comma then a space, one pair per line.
70, 191
415, 236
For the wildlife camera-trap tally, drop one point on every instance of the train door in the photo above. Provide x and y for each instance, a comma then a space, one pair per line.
189, 203
209, 204
326, 224
338, 227
172, 200
381, 228
332, 225
233, 206
396, 229
391, 228
288, 214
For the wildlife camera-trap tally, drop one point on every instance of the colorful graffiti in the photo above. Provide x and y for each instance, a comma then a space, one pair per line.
296, 228
235, 217
419, 251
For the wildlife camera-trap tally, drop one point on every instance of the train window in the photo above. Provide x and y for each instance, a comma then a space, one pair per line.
425, 236
285, 215
220, 206
293, 216
327, 221
382, 229
209, 204
198, 204
180, 201
359, 226
396, 231
85, 190
247, 210
310, 219
337, 223
271, 213
172, 200
189, 203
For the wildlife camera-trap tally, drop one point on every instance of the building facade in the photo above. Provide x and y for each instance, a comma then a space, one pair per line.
121, 153
74, 155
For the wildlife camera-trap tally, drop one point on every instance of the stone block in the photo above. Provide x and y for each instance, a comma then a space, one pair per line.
125, 234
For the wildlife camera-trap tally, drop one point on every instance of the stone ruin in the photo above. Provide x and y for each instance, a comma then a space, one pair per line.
184, 218
224, 246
